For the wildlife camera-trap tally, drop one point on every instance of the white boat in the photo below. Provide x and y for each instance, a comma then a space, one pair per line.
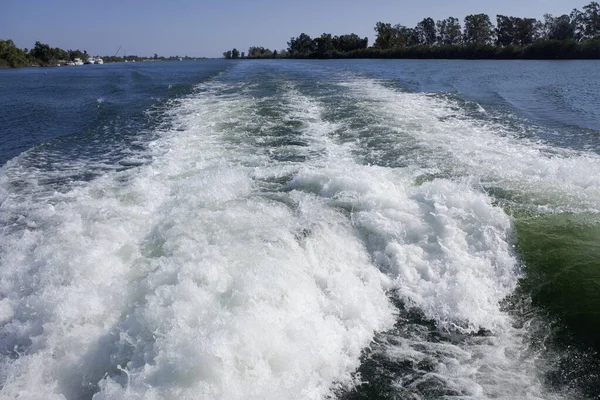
91, 60
77, 61
99, 61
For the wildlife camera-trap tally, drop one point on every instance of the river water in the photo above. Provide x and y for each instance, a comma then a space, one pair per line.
351, 229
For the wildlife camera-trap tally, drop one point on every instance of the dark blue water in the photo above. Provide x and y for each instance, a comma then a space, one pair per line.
352, 229
105, 104
41, 104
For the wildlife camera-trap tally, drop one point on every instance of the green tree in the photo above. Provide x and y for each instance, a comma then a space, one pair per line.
515, 31
426, 31
505, 30
235, 54
525, 31
227, 54
324, 45
11, 56
478, 29
42, 52
259, 52
386, 36
302, 45
405, 37
351, 42
559, 28
591, 19
395, 37
449, 31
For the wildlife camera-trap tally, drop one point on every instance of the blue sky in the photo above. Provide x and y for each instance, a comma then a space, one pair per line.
207, 28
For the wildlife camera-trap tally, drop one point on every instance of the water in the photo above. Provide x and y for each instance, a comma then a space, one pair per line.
300, 229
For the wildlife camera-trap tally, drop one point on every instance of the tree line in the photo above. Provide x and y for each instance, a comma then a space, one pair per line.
574, 35
40, 55
255, 52
43, 55
304, 46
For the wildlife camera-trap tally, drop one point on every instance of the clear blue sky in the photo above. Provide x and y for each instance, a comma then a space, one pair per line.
207, 28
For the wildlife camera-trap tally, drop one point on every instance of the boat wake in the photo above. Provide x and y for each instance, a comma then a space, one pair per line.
282, 243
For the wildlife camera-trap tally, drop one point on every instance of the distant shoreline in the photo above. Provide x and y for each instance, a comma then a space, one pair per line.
370, 54
574, 36
43, 55
540, 50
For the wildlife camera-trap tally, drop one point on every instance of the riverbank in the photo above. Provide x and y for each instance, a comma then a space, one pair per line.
540, 50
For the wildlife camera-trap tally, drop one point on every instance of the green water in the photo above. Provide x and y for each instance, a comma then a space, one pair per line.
561, 256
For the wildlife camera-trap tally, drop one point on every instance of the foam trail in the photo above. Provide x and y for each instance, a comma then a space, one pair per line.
181, 279
486, 151
254, 258
449, 251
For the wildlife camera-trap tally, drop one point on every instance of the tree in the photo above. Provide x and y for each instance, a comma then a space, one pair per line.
385, 36
324, 45
259, 52
478, 29
405, 37
578, 22
11, 55
42, 52
426, 31
505, 30
559, 28
302, 45
227, 54
345, 43
591, 19
449, 31
525, 31
243, 54
235, 54
515, 31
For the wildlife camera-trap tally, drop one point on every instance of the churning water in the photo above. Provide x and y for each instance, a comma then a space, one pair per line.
300, 230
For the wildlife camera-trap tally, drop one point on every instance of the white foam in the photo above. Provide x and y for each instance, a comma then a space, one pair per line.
446, 244
6, 311
448, 250
486, 150
179, 279
194, 276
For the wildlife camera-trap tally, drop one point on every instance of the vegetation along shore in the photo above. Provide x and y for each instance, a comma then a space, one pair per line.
570, 36
43, 55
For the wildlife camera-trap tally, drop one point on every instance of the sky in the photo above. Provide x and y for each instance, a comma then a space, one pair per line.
204, 28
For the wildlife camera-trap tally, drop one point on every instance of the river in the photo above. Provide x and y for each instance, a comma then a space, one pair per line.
300, 229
